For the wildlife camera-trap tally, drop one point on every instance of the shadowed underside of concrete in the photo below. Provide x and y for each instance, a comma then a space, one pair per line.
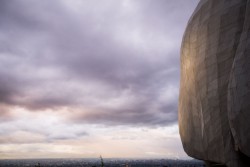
214, 102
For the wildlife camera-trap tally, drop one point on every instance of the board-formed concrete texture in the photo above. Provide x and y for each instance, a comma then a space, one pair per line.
214, 101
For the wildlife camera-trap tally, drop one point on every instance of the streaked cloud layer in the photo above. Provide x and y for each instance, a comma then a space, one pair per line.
86, 72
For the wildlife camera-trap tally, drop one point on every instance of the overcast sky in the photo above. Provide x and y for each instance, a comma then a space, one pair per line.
80, 78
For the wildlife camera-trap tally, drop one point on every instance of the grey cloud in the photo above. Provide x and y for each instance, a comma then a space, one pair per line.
139, 114
65, 136
24, 129
48, 48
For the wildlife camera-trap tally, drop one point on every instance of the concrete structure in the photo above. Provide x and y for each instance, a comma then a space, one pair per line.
214, 102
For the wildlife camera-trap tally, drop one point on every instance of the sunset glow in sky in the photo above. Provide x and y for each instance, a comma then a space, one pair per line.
83, 78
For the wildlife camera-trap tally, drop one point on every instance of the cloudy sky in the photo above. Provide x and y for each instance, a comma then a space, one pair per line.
85, 78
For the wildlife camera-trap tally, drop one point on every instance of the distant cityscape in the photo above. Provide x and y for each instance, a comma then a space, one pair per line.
97, 163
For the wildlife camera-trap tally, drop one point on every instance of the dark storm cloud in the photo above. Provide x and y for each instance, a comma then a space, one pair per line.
119, 59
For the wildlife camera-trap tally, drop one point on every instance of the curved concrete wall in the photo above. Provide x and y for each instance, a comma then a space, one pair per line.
214, 101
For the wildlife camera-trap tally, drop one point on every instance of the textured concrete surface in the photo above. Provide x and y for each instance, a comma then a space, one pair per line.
214, 102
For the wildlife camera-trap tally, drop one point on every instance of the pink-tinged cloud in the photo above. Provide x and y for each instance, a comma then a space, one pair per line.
69, 65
